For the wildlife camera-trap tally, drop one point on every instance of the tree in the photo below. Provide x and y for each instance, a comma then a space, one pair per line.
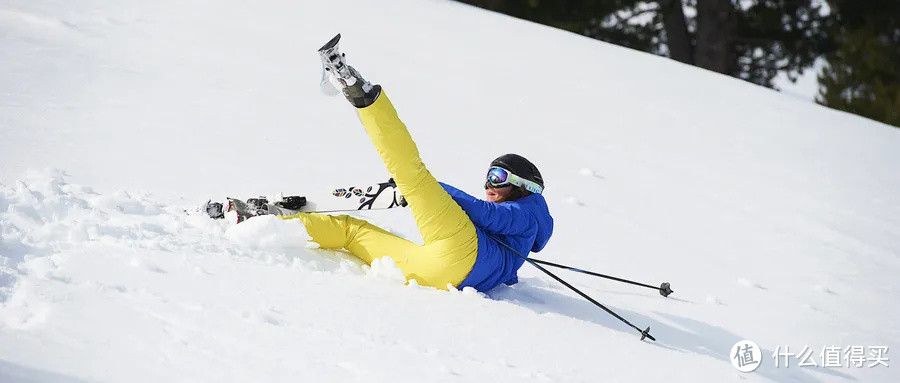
863, 76
748, 39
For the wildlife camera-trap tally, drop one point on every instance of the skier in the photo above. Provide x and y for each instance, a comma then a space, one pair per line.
457, 251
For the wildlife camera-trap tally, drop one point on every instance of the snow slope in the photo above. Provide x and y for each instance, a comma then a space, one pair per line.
775, 220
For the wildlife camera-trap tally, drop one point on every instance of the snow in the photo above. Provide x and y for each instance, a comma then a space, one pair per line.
775, 219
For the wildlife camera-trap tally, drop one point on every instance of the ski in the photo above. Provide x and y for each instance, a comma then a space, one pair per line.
384, 195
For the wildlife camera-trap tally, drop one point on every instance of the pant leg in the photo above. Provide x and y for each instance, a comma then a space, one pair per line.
369, 242
436, 214
365, 240
448, 232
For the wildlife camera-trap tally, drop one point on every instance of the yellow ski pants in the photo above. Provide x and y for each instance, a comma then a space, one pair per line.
451, 244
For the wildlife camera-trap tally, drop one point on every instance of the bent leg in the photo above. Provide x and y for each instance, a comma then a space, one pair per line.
435, 265
363, 239
444, 262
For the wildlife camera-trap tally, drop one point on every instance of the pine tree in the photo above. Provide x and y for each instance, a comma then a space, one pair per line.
863, 76
753, 40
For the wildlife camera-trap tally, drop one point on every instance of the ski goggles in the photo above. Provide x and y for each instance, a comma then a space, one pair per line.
500, 177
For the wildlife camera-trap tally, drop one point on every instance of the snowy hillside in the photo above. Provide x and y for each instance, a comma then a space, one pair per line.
775, 220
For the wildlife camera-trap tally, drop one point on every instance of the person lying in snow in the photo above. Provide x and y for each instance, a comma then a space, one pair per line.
457, 251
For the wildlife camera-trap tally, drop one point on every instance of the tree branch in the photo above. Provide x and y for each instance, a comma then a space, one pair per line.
755, 64
635, 14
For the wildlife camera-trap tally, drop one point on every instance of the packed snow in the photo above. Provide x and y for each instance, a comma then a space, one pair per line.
774, 219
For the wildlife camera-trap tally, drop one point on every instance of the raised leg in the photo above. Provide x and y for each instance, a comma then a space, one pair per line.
437, 216
451, 242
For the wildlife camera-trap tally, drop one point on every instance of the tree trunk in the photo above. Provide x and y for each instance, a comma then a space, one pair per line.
678, 40
715, 36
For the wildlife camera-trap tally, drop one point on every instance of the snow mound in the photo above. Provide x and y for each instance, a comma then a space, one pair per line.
269, 232
44, 220
386, 269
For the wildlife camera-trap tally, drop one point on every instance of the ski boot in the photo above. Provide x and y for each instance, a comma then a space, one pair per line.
289, 205
345, 78
255, 207
292, 202
246, 210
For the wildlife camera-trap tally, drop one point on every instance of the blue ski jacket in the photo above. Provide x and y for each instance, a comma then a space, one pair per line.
524, 224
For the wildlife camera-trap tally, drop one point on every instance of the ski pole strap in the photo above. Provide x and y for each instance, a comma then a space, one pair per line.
644, 333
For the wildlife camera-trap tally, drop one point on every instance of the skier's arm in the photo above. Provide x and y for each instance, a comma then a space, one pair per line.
501, 218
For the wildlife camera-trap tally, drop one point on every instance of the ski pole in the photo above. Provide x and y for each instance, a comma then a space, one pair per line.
664, 289
644, 333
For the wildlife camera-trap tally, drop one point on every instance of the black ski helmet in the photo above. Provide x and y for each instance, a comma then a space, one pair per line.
519, 166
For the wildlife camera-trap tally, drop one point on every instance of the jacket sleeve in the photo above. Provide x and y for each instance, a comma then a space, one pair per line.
502, 218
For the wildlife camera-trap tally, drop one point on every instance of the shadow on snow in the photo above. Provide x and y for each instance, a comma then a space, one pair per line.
697, 337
